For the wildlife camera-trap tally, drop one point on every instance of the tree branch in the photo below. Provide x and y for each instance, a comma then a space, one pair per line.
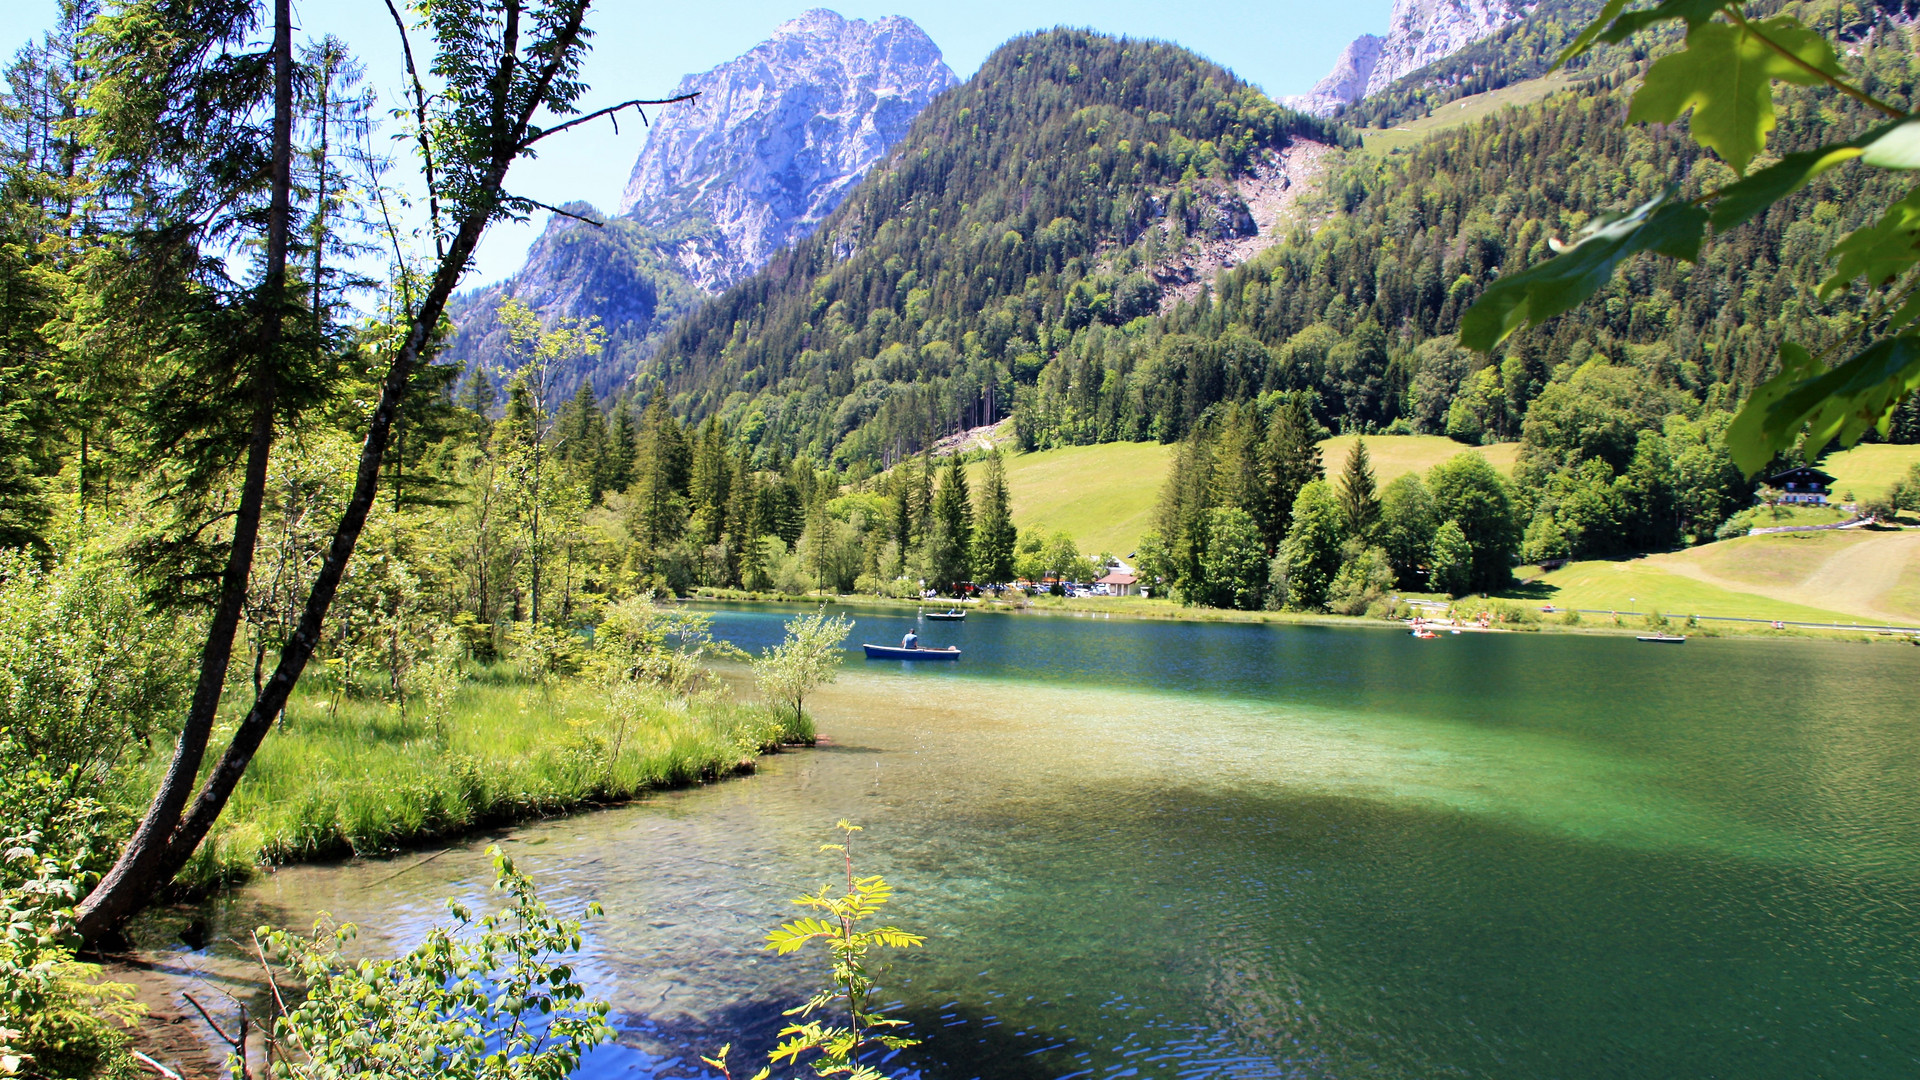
420, 126
536, 203
610, 110
1853, 92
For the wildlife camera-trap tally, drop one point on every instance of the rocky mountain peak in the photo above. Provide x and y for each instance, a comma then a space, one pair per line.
1419, 32
779, 135
775, 140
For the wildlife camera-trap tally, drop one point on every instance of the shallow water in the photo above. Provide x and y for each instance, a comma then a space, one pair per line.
1218, 850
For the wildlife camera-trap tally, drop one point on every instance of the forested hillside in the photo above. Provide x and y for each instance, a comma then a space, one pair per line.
1021, 209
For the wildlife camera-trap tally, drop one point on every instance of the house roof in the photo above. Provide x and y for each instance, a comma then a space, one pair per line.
1116, 579
1799, 474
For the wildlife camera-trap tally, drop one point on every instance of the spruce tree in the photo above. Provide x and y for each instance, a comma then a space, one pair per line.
994, 537
1291, 459
1359, 497
950, 533
622, 446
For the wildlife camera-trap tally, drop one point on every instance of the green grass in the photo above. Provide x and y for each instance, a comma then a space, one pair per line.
1464, 111
1836, 576
1634, 585
365, 781
1869, 469
1395, 456
1103, 496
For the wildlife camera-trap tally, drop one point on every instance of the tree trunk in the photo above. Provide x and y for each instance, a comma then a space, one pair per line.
143, 864
166, 841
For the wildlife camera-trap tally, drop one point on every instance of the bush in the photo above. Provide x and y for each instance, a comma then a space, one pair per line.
1738, 525
492, 997
56, 1020
1365, 577
86, 673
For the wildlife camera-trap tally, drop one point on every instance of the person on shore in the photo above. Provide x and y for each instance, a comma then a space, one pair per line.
911, 641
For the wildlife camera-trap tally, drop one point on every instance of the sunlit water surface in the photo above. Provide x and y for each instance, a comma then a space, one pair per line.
1211, 850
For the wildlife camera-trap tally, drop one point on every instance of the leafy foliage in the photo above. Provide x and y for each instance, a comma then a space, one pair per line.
1725, 77
807, 658
492, 998
851, 980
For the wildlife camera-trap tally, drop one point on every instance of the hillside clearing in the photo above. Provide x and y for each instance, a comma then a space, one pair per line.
1464, 111
1834, 576
1869, 469
1103, 496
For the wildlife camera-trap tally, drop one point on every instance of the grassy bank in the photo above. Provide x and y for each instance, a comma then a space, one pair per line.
361, 779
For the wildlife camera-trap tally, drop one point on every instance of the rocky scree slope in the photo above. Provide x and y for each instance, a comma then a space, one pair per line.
1049, 194
775, 140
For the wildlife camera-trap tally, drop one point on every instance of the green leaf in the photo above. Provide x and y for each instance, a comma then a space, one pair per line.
1897, 148
1740, 201
1725, 75
1546, 289
1694, 11
1587, 36
1879, 252
1841, 403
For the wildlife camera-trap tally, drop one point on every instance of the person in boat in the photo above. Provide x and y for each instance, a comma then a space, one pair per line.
911, 641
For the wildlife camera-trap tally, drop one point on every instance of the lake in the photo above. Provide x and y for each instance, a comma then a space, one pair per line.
1220, 850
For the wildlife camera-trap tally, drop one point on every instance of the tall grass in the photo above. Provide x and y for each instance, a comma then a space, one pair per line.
360, 778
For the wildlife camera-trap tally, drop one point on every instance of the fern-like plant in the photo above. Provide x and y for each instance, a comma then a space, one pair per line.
835, 1048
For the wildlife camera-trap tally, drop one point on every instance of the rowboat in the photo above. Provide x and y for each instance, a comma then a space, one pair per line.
945, 616
1662, 639
889, 652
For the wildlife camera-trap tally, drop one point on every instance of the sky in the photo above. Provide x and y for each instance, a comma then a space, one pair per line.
642, 50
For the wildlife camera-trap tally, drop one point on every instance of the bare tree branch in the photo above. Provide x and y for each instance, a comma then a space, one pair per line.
420, 126
610, 110
516, 200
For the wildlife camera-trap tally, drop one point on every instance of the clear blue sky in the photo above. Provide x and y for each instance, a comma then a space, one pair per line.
641, 50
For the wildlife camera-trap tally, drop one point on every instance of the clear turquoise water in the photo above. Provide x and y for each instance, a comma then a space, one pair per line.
1211, 850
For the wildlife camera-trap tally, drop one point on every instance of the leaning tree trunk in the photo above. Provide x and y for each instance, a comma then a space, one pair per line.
142, 863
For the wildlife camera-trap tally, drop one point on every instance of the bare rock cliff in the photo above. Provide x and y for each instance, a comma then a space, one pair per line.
1419, 32
774, 142
778, 136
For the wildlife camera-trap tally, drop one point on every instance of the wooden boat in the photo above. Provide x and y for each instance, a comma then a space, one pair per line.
1662, 639
889, 652
945, 616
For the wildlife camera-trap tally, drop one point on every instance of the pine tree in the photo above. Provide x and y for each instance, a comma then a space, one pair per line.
623, 445
950, 532
994, 537
1359, 498
709, 485
1291, 459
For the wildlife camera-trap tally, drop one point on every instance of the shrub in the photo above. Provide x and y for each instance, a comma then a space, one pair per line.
1365, 577
56, 1019
490, 998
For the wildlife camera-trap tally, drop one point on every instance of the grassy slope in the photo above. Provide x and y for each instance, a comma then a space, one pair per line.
1464, 111
1857, 575
1869, 469
1103, 496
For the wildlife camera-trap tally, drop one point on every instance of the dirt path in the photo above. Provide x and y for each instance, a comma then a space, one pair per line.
1859, 578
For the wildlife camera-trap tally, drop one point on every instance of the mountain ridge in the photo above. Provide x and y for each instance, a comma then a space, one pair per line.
1419, 32
775, 139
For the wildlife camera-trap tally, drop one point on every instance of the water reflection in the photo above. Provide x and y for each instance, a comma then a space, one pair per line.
1239, 851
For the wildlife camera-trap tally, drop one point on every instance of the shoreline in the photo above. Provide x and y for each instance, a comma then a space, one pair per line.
1144, 609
